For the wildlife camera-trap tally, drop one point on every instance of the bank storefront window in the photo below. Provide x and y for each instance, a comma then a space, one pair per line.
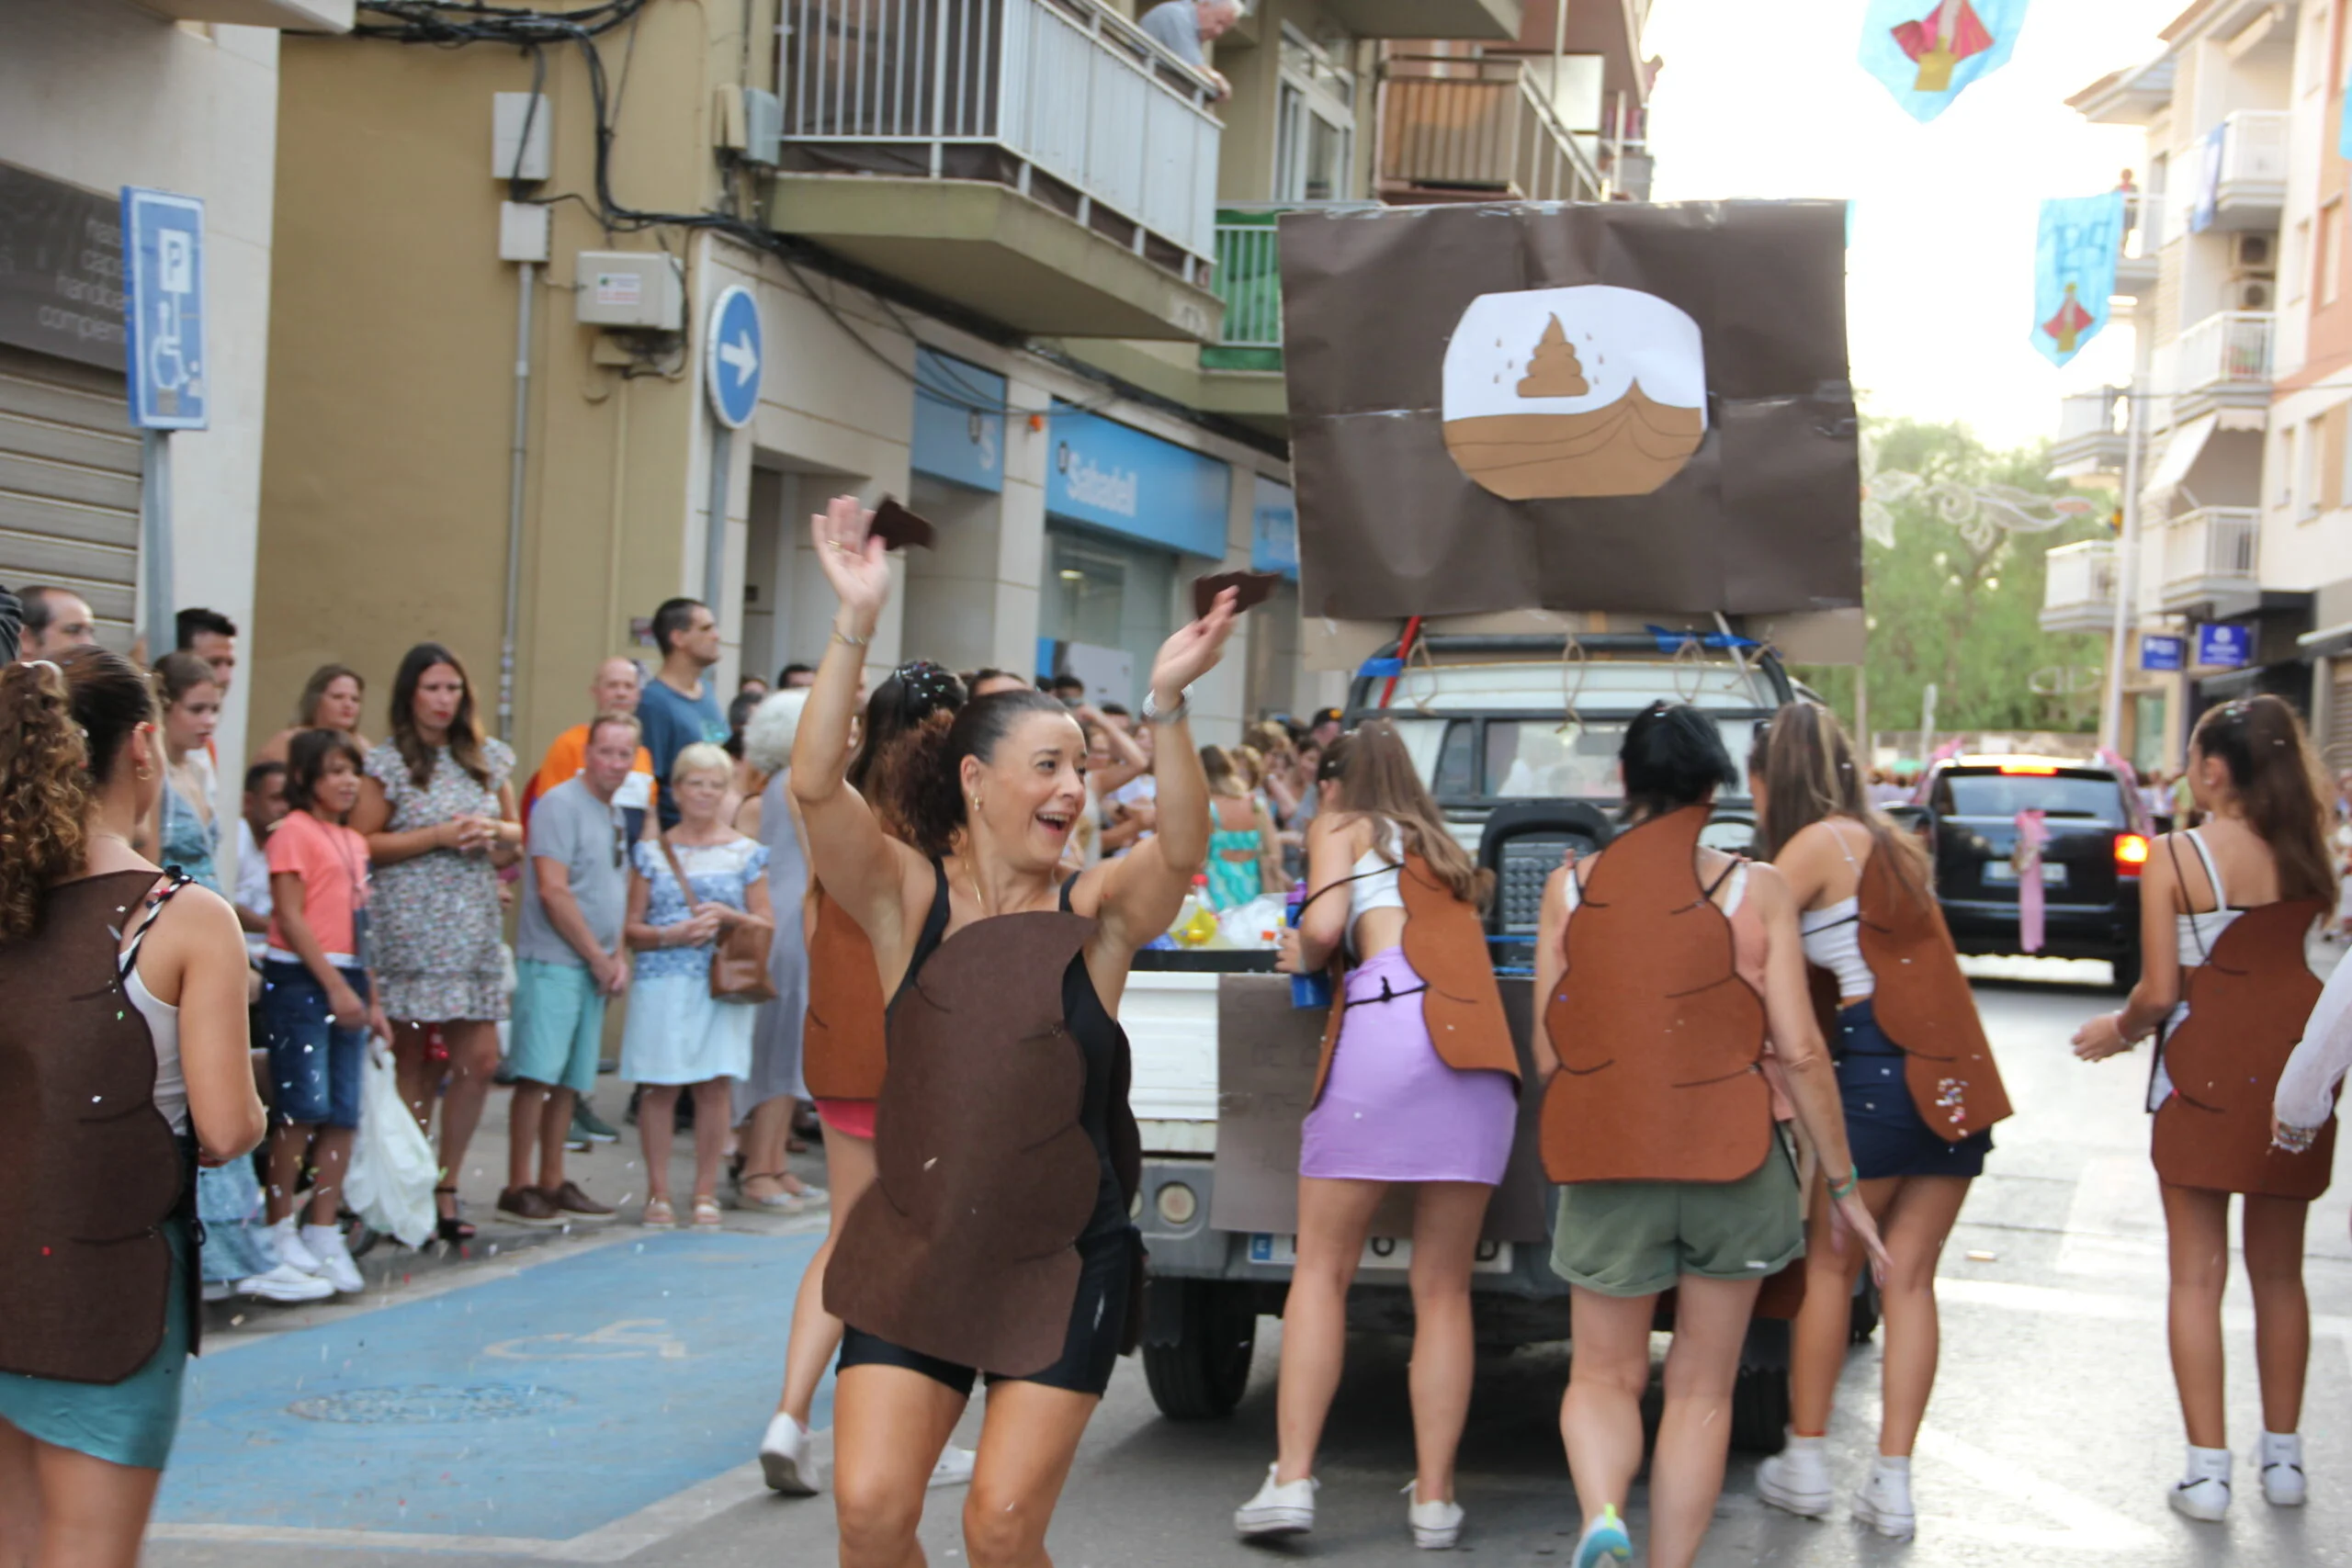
1106, 608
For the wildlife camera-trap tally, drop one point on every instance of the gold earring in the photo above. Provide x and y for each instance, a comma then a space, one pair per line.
146, 774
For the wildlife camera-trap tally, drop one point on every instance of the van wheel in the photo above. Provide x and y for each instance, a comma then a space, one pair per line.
1759, 1410
1201, 1374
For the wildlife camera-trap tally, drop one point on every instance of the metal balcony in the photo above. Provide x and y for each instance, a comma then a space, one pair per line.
2209, 560
1041, 163
1477, 130
2078, 587
2222, 362
2136, 268
2090, 436
1248, 280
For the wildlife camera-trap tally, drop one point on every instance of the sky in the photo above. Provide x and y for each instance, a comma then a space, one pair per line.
1760, 99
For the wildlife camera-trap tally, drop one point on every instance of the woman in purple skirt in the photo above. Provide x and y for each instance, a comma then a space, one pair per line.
1395, 895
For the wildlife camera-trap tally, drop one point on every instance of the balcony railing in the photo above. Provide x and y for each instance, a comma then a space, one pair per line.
2087, 415
2079, 578
2214, 546
2232, 349
2254, 148
1064, 99
1248, 274
1468, 128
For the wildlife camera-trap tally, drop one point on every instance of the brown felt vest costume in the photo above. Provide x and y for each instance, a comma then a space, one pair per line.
1923, 1004
1463, 1005
1660, 1040
985, 1178
95, 1170
844, 1050
2248, 1003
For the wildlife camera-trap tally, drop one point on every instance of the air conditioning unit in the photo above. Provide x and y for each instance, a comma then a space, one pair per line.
2253, 294
2253, 253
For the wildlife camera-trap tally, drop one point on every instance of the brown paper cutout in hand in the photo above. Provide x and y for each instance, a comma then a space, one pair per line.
2247, 1004
1659, 1038
1250, 588
898, 528
962, 1250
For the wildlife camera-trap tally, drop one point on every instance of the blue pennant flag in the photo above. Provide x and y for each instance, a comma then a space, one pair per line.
2074, 271
1927, 51
2344, 122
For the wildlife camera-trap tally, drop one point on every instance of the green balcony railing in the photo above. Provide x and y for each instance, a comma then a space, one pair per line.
1248, 278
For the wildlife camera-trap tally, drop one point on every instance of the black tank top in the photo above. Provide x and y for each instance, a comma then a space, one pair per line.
1100, 1044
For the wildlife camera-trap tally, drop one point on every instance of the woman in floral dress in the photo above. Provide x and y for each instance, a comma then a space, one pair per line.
440, 821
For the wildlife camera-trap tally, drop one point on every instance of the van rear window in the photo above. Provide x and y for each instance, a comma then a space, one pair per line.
2095, 797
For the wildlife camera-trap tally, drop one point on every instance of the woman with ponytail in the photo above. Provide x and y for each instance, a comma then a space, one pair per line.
996, 1237
1907, 1045
2224, 909
121, 988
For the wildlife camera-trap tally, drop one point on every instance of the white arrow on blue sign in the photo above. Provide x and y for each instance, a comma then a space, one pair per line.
733, 355
162, 247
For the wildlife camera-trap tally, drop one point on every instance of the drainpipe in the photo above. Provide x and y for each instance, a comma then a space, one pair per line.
526, 278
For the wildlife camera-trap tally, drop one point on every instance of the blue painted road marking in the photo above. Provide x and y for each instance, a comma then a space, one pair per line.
537, 1406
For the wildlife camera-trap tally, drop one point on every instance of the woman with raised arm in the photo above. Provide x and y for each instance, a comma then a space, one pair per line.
1676, 1039
1917, 1081
123, 1044
996, 1239
2224, 907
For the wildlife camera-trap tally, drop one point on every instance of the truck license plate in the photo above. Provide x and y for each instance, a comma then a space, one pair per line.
1394, 1254
2003, 872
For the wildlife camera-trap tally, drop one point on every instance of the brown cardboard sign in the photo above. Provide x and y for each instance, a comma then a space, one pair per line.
1609, 407
898, 528
1267, 1055
1250, 588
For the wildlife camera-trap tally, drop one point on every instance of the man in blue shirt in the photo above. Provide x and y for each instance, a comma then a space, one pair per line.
1184, 27
678, 708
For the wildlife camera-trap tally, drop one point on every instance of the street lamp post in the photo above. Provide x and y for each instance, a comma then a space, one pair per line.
2126, 574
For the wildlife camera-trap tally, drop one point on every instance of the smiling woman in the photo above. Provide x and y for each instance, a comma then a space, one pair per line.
995, 1239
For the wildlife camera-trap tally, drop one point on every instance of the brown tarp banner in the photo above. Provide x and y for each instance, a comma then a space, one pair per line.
1609, 407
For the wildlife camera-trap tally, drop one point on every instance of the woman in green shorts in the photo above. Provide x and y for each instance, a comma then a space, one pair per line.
1678, 1038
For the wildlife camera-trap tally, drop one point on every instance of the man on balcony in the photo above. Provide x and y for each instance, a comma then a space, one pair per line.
1185, 29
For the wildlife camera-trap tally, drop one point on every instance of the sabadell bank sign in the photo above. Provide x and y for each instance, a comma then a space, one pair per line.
1120, 480
1111, 490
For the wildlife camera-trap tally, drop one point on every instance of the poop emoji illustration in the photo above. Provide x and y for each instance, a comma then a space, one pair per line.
1584, 391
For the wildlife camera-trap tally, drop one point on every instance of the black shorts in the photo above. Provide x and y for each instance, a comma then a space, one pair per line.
1098, 1321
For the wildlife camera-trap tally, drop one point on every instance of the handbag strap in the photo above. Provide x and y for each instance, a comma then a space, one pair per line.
686, 888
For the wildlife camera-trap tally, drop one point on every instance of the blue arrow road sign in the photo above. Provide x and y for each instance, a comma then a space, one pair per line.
163, 244
733, 357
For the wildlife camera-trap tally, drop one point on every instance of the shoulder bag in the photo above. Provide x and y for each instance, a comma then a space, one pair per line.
739, 961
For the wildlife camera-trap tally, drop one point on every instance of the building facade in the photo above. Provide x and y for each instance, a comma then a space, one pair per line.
2236, 270
1012, 264
95, 95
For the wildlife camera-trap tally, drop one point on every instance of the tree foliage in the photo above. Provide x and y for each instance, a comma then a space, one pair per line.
1963, 614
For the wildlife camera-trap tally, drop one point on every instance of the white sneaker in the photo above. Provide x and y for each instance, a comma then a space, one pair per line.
286, 1235
785, 1458
1285, 1508
1884, 1504
2281, 1459
334, 1265
2207, 1498
1436, 1526
1796, 1480
285, 1283
954, 1467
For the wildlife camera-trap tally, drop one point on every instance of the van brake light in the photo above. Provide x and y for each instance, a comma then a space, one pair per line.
2131, 853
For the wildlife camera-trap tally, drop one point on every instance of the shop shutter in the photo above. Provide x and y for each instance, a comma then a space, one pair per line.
69, 485
2339, 715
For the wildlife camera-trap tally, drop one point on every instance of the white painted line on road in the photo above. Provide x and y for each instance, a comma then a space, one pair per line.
2101, 1307
622, 1539
2083, 1525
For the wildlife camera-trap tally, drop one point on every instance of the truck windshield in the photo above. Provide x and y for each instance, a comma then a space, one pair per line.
2093, 796
1533, 758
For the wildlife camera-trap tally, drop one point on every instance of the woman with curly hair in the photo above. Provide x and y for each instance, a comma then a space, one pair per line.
123, 988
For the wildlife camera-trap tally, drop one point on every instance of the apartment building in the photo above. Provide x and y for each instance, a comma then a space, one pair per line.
97, 95
2234, 267
1013, 263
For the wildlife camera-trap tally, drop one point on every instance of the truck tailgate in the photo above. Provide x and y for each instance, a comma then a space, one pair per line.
1171, 1020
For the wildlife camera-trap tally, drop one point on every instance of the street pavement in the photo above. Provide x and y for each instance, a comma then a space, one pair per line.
597, 1396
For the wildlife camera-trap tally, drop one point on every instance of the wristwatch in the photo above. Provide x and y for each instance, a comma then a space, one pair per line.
1152, 713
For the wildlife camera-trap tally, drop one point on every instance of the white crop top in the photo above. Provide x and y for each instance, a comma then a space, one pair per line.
163, 1024
1833, 937
1373, 886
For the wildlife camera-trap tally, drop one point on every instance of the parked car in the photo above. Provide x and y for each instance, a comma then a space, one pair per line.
2098, 834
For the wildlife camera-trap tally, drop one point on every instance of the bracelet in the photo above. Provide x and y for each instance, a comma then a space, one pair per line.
844, 638
1840, 1191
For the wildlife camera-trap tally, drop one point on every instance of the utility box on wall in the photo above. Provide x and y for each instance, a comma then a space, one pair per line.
638, 289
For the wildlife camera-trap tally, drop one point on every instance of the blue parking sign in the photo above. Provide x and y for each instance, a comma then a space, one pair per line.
162, 247
2223, 646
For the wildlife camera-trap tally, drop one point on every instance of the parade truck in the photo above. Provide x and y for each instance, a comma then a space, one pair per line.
1517, 736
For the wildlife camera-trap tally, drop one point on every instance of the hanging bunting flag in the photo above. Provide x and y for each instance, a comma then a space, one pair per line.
2074, 271
2344, 122
1928, 50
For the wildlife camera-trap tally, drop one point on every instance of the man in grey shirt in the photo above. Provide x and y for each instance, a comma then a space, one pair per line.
569, 958
1184, 27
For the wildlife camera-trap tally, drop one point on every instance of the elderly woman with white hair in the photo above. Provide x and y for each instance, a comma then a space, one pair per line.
686, 888
765, 1101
